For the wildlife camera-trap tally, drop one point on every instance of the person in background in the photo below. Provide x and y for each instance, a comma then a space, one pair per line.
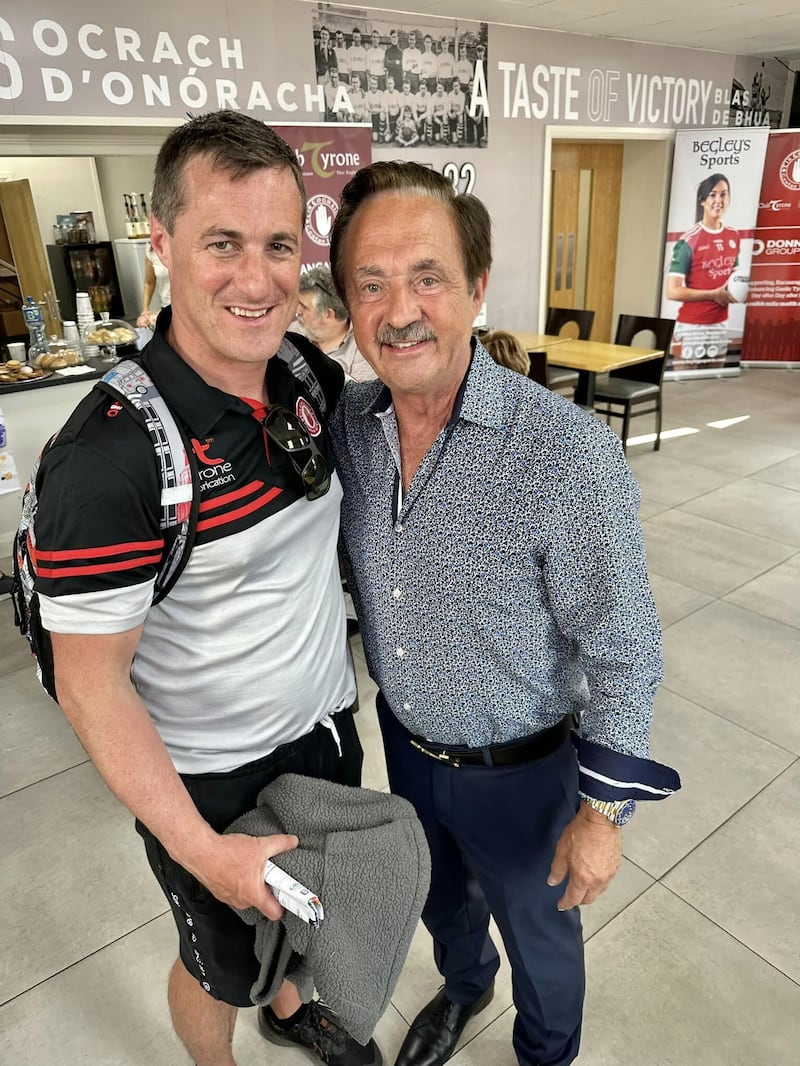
325, 58
446, 66
480, 59
506, 350
335, 109
407, 98
411, 61
325, 321
476, 121
463, 65
393, 59
703, 260
457, 113
357, 57
376, 110
190, 706
497, 566
358, 99
428, 64
156, 283
342, 58
423, 102
440, 115
376, 60
407, 135
391, 108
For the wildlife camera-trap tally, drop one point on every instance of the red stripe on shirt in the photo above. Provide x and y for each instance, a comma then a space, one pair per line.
229, 497
98, 553
240, 512
106, 568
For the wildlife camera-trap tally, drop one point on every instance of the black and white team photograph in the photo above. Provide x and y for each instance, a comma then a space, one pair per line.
417, 84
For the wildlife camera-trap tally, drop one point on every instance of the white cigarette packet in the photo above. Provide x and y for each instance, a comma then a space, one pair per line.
293, 896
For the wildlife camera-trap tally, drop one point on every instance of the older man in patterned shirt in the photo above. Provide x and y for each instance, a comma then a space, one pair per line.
499, 573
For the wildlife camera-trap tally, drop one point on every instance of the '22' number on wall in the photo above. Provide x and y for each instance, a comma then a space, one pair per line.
462, 178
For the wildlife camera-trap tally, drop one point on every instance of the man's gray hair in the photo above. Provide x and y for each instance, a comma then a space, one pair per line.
319, 281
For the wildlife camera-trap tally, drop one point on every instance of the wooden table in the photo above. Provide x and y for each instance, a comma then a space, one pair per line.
589, 358
534, 342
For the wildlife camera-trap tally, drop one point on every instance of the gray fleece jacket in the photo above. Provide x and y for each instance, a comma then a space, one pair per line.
365, 855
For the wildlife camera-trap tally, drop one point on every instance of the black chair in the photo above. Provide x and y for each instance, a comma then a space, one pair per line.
538, 369
558, 317
637, 389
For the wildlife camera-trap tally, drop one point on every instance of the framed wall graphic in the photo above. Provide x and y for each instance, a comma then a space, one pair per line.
410, 77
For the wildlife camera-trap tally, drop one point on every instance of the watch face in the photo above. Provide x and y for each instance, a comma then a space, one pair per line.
626, 812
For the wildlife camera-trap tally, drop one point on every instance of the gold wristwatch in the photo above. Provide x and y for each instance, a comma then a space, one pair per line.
618, 812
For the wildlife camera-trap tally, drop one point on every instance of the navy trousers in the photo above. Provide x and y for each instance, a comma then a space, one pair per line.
492, 833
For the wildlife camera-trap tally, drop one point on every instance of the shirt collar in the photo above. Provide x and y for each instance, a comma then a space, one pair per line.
196, 403
479, 398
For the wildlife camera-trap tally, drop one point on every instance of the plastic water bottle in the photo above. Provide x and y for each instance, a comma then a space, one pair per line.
34, 320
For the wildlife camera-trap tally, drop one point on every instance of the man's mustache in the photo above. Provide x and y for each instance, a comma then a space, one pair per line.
413, 333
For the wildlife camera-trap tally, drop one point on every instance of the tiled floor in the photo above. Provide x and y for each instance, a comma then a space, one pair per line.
693, 954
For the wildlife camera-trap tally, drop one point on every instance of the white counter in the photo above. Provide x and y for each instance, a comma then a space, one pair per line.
31, 419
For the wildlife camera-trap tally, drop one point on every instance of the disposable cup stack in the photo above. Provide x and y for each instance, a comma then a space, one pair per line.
84, 314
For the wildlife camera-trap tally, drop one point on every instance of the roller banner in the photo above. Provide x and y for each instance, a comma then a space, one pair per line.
772, 330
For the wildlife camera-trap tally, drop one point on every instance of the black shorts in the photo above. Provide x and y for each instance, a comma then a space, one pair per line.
216, 946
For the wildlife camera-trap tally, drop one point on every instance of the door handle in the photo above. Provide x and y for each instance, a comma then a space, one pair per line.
559, 260
570, 258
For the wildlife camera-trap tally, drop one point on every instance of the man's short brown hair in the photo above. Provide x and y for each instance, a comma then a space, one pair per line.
232, 142
472, 222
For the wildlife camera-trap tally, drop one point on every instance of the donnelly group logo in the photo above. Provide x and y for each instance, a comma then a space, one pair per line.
789, 172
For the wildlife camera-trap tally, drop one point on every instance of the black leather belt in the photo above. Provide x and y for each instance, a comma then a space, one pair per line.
528, 749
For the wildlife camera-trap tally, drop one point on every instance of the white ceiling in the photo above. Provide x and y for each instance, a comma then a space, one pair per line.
745, 27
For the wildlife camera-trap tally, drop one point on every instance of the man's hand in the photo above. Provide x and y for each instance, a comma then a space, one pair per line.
589, 851
234, 870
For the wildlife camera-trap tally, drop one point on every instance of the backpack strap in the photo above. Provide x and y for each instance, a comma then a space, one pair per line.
131, 385
298, 364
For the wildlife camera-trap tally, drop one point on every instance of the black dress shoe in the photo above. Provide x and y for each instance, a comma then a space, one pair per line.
434, 1033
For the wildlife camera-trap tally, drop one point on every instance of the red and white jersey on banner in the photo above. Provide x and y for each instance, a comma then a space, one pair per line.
705, 259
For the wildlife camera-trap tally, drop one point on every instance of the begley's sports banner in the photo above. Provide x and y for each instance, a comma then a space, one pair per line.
716, 177
329, 157
772, 332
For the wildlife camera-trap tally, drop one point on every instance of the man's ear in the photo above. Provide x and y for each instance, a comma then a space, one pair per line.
159, 239
479, 291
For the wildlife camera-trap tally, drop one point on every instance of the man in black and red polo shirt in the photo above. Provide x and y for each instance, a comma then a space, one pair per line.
189, 707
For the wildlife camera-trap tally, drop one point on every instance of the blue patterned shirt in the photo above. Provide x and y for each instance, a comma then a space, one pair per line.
508, 588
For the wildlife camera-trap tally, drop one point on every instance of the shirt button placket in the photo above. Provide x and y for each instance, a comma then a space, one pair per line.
397, 601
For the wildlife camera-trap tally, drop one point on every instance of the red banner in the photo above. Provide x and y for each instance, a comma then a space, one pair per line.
772, 328
329, 156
